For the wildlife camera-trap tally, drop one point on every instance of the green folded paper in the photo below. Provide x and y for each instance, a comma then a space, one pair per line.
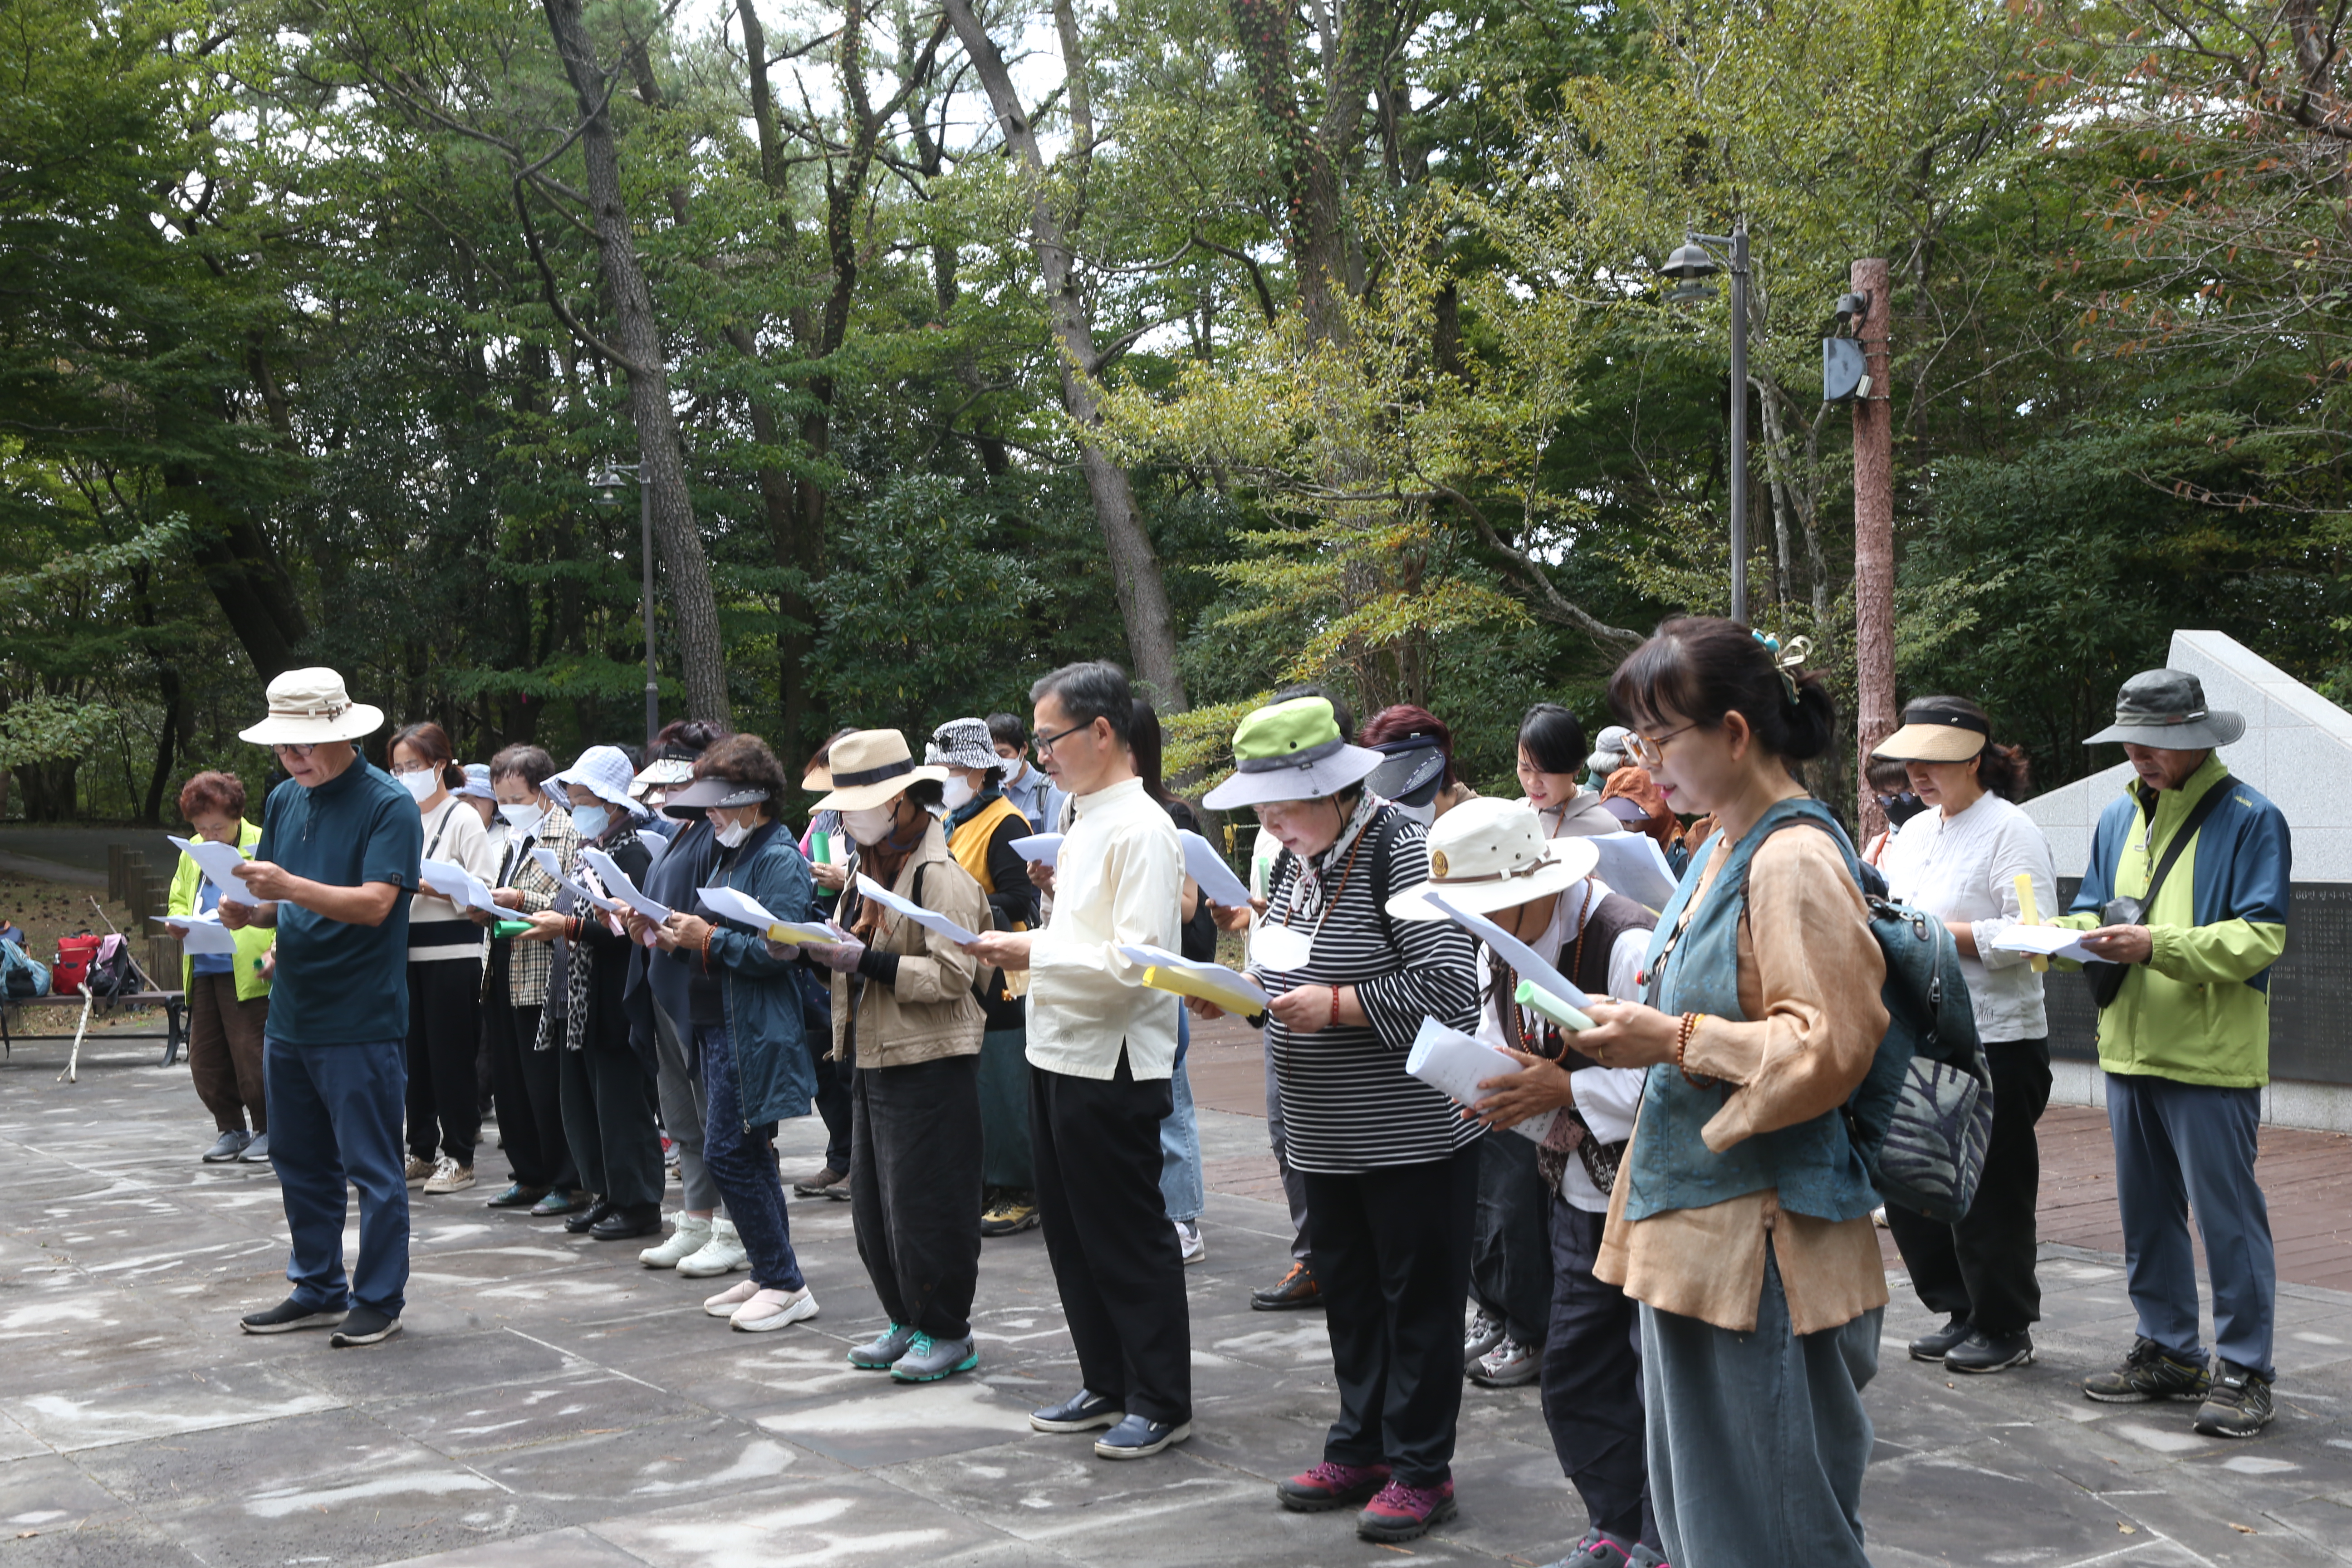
1551, 1006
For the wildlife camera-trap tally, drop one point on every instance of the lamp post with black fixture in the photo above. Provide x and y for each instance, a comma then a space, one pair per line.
1691, 265
606, 481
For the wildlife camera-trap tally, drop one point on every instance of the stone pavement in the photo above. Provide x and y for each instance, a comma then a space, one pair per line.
552, 1404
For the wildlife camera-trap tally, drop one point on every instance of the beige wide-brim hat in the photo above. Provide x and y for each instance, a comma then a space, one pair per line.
1489, 854
307, 706
1933, 732
871, 768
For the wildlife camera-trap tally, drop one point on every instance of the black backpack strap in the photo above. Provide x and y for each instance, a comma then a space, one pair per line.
2179, 842
1385, 829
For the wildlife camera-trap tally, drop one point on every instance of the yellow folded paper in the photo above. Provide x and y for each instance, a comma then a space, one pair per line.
1207, 987
785, 930
2031, 915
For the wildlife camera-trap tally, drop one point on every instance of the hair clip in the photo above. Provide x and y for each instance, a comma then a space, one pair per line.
1788, 661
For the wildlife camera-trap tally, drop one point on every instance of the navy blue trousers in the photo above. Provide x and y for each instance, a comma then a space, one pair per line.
335, 1113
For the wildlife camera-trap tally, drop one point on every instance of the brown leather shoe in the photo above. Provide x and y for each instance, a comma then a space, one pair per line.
826, 1184
1293, 1291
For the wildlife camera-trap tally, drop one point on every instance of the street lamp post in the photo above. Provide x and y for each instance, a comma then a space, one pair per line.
1691, 264
606, 483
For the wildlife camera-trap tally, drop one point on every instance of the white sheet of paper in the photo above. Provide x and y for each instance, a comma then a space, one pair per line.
915, 912
1454, 1065
1634, 865
623, 889
548, 863
459, 886
1516, 954
2051, 941
200, 933
1233, 992
1206, 867
1279, 948
1039, 848
734, 904
216, 860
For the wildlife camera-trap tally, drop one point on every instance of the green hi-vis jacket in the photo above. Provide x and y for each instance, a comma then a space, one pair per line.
252, 942
2200, 1009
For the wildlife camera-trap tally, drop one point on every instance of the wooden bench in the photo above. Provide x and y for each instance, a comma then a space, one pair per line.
172, 1003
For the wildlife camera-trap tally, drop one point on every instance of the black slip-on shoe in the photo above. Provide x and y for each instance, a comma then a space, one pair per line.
290, 1315
587, 1219
1981, 1351
365, 1326
1082, 1412
629, 1221
1938, 1343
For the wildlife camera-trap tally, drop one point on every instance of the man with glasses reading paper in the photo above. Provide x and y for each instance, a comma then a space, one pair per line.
334, 872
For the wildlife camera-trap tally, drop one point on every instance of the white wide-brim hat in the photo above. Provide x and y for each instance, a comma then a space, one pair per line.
871, 768
1489, 854
604, 771
307, 706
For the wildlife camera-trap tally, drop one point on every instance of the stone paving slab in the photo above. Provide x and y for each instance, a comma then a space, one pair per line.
553, 1403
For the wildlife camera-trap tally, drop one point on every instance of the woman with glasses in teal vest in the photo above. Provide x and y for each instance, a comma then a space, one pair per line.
1740, 1218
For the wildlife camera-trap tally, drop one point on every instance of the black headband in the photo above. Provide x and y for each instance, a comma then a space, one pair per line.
874, 776
1949, 716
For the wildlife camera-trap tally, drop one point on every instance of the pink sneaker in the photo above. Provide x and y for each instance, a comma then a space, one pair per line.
723, 1305
769, 1309
1328, 1486
1403, 1512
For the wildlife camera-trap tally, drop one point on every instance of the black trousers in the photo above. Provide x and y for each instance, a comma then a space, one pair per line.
608, 1120
831, 1099
1392, 1250
444, 1102
530, 1100
914, 1189
1983, 1268
1510, 1253
1593, 1380
1115, 1255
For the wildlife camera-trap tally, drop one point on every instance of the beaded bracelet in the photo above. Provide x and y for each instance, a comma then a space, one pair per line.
1682, 1043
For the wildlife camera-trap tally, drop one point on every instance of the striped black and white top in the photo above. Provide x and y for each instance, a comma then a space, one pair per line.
1347, 1104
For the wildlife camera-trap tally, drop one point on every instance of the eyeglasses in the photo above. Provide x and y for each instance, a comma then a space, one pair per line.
299, 749
1046, 743
400, 768
1651, 751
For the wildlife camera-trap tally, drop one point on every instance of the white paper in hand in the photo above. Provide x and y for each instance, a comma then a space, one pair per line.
1634, 865
548, 863
200, 933
1206, 867
1454, 1065
217, 861
613, 876
914, 911
458, 885
2049, 941
1039, 848
1516, 954
734, 904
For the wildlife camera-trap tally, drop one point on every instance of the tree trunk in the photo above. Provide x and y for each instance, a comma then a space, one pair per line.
1873, 543
1135, 569
701, 657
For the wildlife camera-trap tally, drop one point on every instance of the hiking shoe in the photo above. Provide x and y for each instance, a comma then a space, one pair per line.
1189, 1242
1599, 1548
1981, 1351
687, 1235
1288, 1294
420, 1171
876, 1354
561, 1201
1938, 1343
1328, 1486
365, 1326
1081, 1412
517, 1196
1484, 1332
2239, 1405
227, 1147
723, 1305
2149, 1373
928, 1360
721, 1252
256, 1153
449, 1176
1403, 1512
775, 1310
1139, 1437
1012, 1213
826, 1184
290, 1315
1508, 1365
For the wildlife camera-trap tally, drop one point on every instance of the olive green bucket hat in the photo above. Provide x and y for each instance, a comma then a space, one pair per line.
1291, 751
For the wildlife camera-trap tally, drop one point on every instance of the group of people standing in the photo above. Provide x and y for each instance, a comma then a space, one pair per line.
1686, 1256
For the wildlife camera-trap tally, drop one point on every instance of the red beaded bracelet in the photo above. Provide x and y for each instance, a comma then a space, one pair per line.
1335, 1008
1682, 1043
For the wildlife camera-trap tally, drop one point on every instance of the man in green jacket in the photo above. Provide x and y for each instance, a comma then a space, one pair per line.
2185, 1041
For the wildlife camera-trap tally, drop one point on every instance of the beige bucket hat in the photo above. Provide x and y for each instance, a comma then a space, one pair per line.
1490, 854
307, 706
870, 767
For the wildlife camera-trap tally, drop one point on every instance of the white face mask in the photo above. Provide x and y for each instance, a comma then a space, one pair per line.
732, 835
589, 821
523, 818
869, 826
420, 784
957, 792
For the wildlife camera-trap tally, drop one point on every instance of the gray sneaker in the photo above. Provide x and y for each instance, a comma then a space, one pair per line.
876, 1356
226, 1147
258, 1152
928, 1360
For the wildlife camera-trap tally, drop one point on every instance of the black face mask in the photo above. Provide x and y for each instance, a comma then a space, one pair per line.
1901, 808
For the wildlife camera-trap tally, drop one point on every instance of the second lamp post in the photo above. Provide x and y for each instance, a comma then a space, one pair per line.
1691, 264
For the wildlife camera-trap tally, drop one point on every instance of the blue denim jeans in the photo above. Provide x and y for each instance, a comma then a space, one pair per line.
1180, 1185
744, 1168
335, 1113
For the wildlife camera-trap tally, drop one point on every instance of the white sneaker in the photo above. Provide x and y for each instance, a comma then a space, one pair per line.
1484, 1334
723, 1305
773, 1309
1188, 1240
690, 1235
449, 1177
1508, 1365
721, 1253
